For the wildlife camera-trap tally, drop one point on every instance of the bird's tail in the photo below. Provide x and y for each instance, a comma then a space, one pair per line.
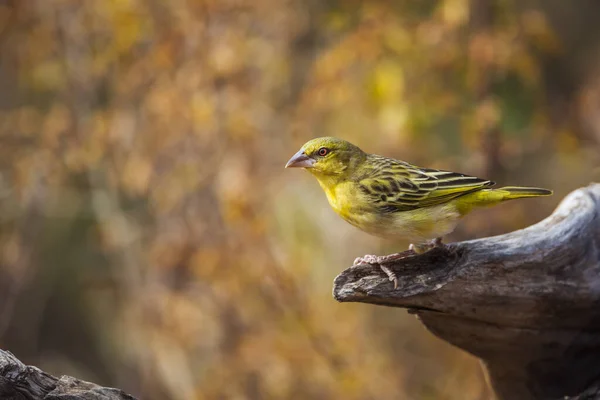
516, 192
490, 197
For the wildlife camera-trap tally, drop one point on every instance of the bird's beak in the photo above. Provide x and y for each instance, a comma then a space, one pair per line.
300, 160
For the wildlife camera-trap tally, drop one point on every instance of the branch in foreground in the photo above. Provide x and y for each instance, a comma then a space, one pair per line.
526, 303
22, 382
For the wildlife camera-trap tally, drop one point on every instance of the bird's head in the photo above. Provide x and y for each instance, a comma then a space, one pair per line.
328, 157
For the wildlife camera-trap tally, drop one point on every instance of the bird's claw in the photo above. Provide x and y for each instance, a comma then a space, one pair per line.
391, 275
425, 247
368, 259
378, 260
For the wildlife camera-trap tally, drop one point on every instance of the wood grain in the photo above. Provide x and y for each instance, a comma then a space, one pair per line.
22, 382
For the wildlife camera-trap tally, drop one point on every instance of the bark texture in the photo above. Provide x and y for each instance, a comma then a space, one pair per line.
21, 382
526, 303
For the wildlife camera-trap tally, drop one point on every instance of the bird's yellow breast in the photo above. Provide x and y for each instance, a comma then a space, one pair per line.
342, 198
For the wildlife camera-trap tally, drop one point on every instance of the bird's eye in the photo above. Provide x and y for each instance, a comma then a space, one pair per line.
323, 151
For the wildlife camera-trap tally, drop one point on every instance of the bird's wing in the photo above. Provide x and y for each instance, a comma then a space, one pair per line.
394, 185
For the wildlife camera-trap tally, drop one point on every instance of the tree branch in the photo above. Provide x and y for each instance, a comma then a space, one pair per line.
526, 303
21, 382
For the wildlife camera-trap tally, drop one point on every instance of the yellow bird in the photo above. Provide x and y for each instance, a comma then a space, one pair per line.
396, 200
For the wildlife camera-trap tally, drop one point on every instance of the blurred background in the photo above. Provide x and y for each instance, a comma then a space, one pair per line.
150, 238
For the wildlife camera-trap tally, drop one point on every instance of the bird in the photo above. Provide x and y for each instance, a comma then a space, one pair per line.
394, 199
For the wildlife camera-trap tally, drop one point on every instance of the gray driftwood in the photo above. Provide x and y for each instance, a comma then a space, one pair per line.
21, 382
526, 303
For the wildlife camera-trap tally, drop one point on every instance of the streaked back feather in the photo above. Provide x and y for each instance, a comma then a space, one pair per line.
396, 185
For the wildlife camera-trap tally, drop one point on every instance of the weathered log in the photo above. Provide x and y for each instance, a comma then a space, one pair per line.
21, 382
526, 303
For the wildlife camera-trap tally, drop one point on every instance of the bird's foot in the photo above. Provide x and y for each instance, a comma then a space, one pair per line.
367, 259
372, 259
381, 261
390, 274
413, 249
424, 247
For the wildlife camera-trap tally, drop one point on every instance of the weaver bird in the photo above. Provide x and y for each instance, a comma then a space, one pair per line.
396, 200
